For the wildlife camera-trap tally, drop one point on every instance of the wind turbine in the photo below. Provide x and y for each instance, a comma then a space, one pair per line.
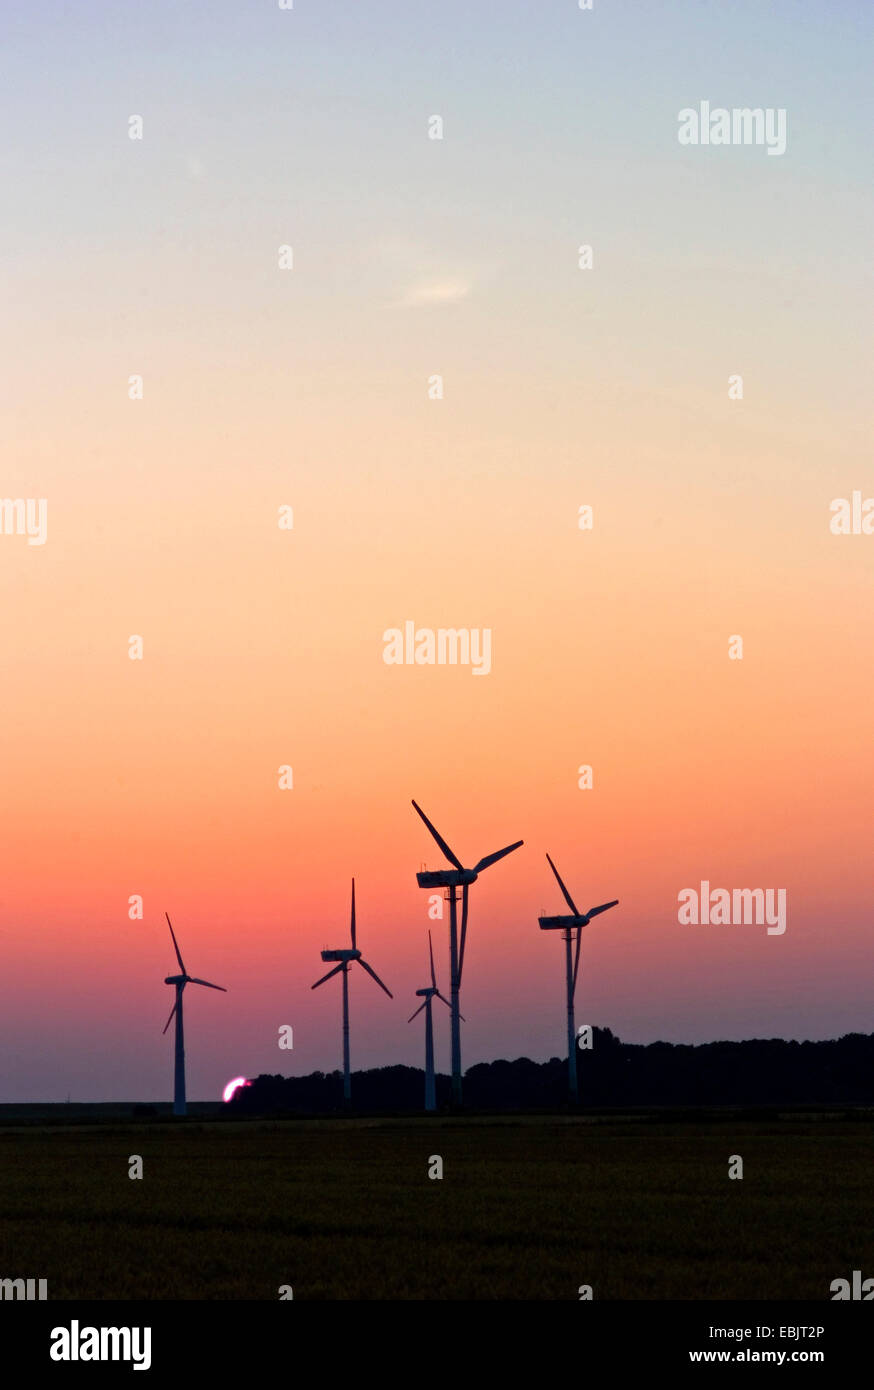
429, 994
453, 879
346, 958
180, 981
569, 925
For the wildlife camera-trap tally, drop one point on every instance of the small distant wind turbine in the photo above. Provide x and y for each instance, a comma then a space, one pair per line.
452, 879
430, 993
570, 925
346, 958
180, 981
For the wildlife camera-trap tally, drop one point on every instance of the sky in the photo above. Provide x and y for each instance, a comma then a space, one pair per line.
308, 387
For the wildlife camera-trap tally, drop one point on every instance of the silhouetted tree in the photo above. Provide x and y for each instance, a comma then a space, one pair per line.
758, 1072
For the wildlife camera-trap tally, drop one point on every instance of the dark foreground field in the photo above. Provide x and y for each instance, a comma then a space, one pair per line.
528, 1208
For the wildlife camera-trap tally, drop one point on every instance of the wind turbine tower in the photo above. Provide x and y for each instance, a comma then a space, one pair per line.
571, 925
453, 879
346, 958
430, 994
180, 981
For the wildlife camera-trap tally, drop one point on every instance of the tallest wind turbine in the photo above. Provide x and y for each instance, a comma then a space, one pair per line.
180, 981
453, 879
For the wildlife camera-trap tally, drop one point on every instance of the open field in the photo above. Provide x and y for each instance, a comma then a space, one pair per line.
528, 1208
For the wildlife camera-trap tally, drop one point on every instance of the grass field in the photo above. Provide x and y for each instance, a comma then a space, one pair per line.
528, 1208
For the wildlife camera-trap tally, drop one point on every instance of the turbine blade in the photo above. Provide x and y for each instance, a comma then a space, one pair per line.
418, 1011
449, 1006
193, 981
354, 947
431, 952
593, 911
176, 945
576, 962
453, 859
567, 897
493, 858
465, 896
328, 976
365, 966
169, 1020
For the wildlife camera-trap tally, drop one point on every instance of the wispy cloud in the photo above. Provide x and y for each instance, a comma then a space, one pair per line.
417, 276
432, 292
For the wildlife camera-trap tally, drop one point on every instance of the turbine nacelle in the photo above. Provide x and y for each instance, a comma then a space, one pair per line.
446, 878
341, 955
177, 979
557, 923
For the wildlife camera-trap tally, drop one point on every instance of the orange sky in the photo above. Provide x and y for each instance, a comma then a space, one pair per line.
264, 647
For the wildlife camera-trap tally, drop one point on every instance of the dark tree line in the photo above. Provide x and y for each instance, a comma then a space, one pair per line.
759, 1072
